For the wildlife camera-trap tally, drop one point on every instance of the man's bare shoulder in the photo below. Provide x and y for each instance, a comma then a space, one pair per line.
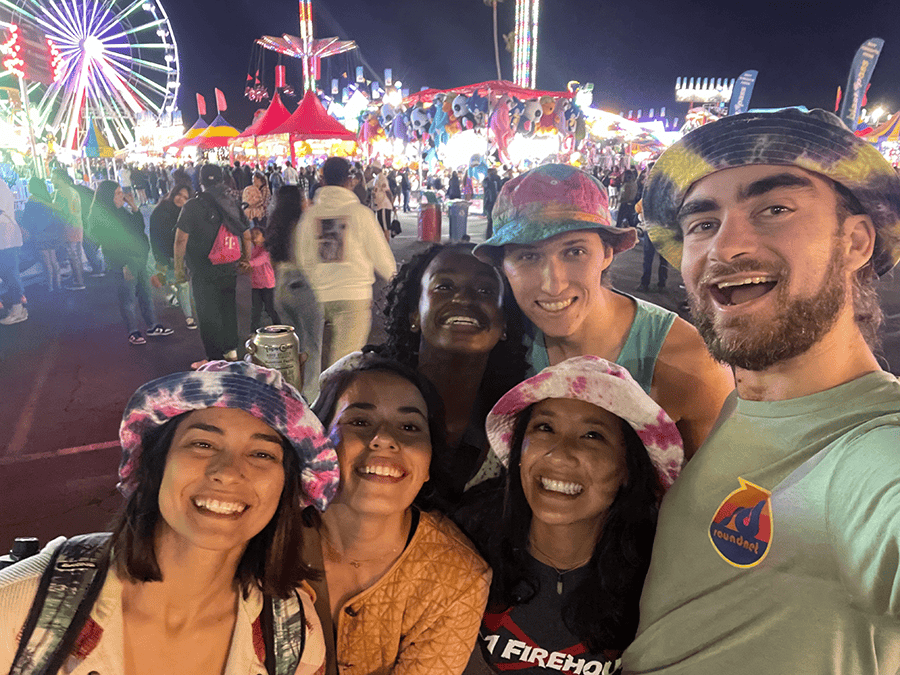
689, 384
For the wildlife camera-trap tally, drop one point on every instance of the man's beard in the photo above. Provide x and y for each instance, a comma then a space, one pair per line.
751, 344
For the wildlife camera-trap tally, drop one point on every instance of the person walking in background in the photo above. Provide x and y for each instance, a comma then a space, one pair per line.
405, 188
340, 249
68, 203
295, 300
256, 197
627, 199
10, 243
120, 232
91, 248
382, 201
453, 187
163, 223
45, 229
492, 185
291, 177
123, 174
213, 285
262, 282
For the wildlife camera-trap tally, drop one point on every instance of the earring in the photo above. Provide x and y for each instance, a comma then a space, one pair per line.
413, 326
503, 335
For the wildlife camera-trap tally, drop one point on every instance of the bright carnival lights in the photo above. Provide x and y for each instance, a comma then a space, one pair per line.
116, 60
526, 42
308, 49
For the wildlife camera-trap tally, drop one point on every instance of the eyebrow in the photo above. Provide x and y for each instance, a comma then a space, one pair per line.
211, 428
371, 406
590, 421
488, 274
754, 189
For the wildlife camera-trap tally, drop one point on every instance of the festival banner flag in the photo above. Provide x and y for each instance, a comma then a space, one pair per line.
221, 105
858, 80
743, 90
279, 77
201, 105
837, 101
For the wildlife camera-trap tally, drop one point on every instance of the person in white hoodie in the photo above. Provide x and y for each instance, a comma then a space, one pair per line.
340, 247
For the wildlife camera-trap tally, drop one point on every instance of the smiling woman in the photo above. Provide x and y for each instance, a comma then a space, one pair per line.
589, 456
202, 573
403, 590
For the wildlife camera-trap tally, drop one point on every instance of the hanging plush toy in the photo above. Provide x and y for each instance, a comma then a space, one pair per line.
400, 128
440, 120
420, 122
388, 113
478, 167
531, 115
501, 127
547, 123
478, 106
462, 113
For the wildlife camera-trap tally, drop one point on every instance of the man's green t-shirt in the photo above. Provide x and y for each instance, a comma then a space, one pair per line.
778, 547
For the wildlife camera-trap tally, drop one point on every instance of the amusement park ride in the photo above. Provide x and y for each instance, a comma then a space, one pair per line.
117, 60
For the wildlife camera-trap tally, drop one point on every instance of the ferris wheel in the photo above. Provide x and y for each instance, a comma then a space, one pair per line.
119, 63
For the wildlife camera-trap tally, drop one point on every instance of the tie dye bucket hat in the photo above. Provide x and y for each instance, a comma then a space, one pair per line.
549, 200
605, 385
816, 141
245, 386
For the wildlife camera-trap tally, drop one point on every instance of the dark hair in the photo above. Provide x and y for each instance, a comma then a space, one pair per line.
334, 387
603, 610
261, 176
170, 197
507, 363
104, 200
272, 559
866, 303
281, 224
38, 189
335, 171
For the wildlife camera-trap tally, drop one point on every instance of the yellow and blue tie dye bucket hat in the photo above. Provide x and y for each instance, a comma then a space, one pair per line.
816, 141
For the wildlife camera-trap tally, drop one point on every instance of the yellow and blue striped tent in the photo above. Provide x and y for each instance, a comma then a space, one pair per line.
95, 143
889, 131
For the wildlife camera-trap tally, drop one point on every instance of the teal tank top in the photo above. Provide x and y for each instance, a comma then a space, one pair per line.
648, 332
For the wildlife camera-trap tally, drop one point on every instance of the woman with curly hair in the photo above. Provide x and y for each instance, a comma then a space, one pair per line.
450, 317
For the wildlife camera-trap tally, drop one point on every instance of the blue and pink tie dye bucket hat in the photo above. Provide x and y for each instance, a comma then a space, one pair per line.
550, 200
245, 386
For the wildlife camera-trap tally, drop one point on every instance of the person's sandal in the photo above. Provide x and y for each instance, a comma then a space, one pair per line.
136, 338
159, 330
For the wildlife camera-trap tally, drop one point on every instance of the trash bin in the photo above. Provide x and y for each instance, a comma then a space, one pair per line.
458, 212
429, 222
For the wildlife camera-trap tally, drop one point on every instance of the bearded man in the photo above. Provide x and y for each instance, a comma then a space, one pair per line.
777, 550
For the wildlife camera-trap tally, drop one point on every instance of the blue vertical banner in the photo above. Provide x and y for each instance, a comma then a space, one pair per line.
858, 80
743, 90
388, 77
359, 74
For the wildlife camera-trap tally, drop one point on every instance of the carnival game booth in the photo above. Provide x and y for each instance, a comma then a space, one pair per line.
312, 132
199, 127
256, 143
886, 138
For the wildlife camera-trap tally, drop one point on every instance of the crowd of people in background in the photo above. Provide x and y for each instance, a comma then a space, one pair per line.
535, 471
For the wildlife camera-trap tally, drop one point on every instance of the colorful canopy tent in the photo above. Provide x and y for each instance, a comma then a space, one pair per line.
95, 144
216, 135
192, 133
274, 116
487, 89
889, 131
310, 122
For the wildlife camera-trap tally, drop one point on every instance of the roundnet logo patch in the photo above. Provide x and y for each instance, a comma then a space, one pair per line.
741, 530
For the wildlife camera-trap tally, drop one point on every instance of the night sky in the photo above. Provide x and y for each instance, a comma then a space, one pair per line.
631, 51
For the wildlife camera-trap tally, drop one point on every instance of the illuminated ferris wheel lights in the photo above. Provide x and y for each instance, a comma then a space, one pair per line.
93, 47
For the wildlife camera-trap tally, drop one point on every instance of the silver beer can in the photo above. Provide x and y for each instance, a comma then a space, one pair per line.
278, 348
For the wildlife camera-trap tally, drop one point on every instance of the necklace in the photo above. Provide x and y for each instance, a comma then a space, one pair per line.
354, 562
547, 560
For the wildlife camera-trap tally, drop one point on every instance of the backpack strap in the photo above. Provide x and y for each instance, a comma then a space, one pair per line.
66, 594
284, 633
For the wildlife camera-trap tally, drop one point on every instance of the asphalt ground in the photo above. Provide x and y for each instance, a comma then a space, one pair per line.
67, 372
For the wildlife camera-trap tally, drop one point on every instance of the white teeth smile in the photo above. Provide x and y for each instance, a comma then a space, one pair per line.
555, 306
381, 470
744, 282
222, 508
564, 487
462, 320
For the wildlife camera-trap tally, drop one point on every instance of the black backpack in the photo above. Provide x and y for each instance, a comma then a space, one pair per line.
69, 588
